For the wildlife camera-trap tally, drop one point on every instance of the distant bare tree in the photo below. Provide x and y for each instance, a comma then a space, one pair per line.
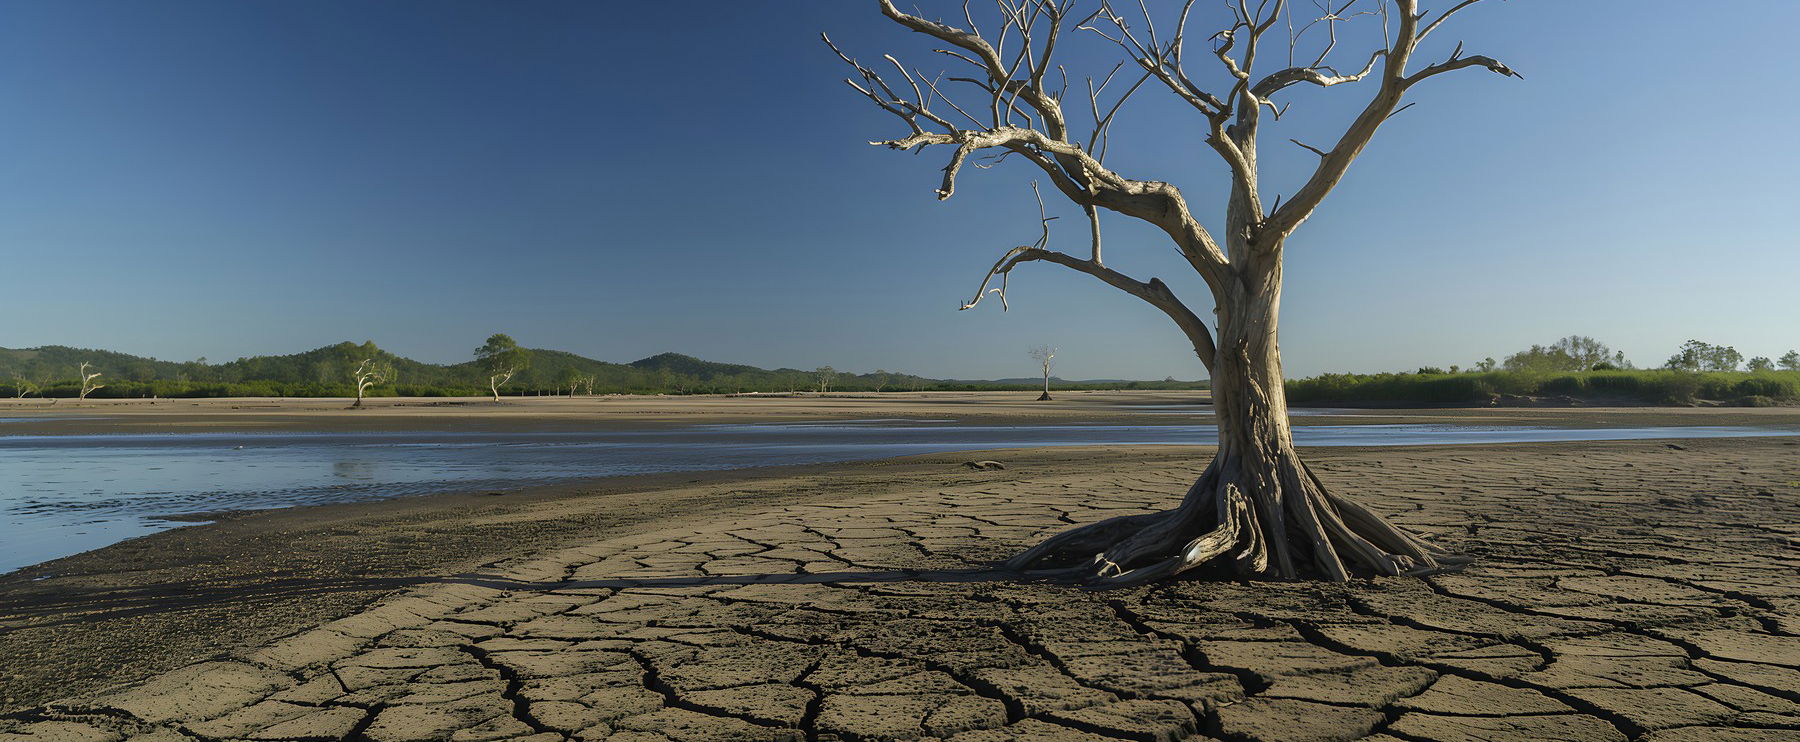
1043, 355
588, 383
1257, 508
370, 372
87, 381
22, 387
825, 376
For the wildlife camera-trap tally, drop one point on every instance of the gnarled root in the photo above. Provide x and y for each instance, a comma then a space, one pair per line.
1270, 536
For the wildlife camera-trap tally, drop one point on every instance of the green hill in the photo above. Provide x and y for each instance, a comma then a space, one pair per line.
691, 366
52, 371
61, 362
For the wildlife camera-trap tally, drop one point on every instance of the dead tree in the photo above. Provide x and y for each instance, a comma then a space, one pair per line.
1257, 510
1043, 354
370, 372
87, 381
22, 387
498, 378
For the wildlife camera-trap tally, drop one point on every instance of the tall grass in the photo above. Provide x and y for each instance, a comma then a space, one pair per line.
1645, 386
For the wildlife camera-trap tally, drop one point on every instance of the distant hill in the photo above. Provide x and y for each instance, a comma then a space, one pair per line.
52, 371
59, 361
703, 370
328, 365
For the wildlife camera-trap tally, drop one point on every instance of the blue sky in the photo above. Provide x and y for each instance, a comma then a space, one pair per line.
221, 179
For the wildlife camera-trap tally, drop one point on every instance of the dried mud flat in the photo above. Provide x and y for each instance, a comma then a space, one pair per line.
1641, 590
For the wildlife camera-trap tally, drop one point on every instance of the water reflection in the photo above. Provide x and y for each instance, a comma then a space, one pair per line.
354, 469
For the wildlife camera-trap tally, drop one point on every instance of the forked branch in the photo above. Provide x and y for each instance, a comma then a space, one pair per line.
1015, 87
368, 373
87, 381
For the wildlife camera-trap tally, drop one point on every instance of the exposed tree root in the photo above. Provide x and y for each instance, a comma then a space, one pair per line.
1291, 527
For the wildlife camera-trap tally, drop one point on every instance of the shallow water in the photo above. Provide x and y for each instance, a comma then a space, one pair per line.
61, 495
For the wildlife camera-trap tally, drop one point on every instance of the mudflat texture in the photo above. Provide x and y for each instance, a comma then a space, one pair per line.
1644, 590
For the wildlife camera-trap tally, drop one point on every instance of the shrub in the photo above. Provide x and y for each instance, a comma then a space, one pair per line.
1660, 386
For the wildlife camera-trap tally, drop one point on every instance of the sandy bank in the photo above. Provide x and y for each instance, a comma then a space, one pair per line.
553, 414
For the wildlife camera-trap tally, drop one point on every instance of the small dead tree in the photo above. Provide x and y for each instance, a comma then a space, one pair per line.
498, 378
87, 381
825, 376
1043, 355
22, 387
1257, 510
370, 372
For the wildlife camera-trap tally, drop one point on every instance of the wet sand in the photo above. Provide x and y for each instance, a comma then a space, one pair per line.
1626, 590
557, 414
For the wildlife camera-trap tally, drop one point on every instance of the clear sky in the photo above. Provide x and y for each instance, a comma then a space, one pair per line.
221, 178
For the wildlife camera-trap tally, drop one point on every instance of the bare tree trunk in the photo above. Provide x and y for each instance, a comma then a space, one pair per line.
87, 382
1257, 509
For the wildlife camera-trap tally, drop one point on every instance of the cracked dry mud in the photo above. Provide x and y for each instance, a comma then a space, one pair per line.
1624, 591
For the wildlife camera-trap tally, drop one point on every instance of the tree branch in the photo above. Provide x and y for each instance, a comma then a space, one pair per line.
1457, 63
1310, 148
1280, 79
1154, 291
1446, 16
998, 71
1394, 83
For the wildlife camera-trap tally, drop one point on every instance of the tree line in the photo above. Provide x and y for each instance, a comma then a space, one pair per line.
1575, 367
1581, 353
499, 368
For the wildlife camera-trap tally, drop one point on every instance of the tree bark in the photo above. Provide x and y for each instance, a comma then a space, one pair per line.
1257, 510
